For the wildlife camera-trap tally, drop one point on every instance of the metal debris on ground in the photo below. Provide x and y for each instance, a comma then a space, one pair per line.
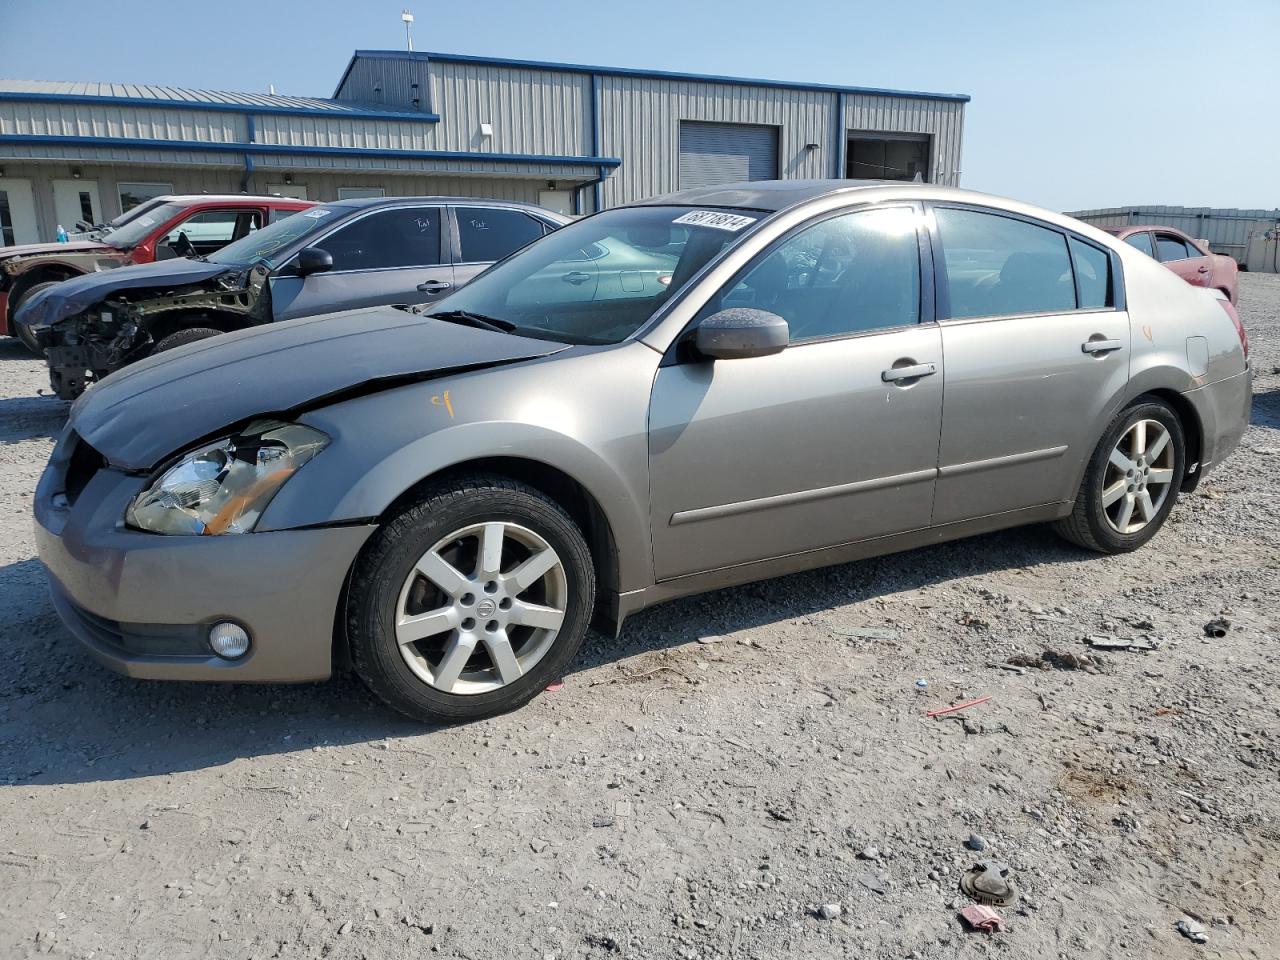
1192, 930
982, 918
922, 684
989, 882
957, 706
1106, 642
1217, 629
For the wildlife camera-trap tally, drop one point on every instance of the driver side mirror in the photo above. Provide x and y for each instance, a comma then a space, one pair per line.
741, 332
313, 260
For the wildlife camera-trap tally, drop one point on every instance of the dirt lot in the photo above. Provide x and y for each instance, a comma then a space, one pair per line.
680, 799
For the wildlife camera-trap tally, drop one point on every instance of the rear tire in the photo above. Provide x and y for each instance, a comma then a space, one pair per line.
21, 332
445, 628
181, 337
1132, 481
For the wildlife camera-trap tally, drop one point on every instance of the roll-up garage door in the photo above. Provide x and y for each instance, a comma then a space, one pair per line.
712, 153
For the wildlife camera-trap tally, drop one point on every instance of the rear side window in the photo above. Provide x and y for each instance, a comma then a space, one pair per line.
997, 266
1093, 275
1171, 248
489, 234
1142, 241
403, 237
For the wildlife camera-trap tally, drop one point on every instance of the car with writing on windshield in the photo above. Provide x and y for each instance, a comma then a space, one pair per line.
1190, 259
333, 256
164, 228
750, 380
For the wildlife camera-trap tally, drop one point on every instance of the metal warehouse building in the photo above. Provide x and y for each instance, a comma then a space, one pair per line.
1227, 231
573, 138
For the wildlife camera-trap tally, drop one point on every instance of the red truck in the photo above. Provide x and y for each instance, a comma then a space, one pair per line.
173, 227
1189, 259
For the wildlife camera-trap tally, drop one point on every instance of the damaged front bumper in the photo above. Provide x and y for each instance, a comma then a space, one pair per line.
77, 358
143, 604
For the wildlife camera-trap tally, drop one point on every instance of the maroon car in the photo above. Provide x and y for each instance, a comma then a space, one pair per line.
175, 227
1189, 259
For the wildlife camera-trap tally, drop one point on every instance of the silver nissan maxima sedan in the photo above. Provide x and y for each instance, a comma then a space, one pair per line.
717, 386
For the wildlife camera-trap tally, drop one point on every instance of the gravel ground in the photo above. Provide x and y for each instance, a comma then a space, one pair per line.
679, 799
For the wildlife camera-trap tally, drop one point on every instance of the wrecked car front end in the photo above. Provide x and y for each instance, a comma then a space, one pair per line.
128, 324
24, 267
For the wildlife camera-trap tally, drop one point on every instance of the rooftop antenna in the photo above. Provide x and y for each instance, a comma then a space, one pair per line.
271, 89
407, 17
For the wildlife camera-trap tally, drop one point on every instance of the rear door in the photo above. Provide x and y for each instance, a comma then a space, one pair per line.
1183, 259
1036, 343
385, 256
485, 235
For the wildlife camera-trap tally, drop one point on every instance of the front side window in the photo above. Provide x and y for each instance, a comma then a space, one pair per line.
1171, 248
1142, 241
214, 227
601, 279
487, 234
998, 266
852, 273
402, 237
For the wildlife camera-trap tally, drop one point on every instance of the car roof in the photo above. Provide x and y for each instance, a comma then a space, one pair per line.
231, 198
1141, 227
364, 203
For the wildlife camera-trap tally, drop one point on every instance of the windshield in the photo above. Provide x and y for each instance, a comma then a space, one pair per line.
601, 279
137, 229
269, 244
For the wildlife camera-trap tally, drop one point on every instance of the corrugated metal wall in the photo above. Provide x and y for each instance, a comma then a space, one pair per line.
44, 118
391, 81
1228, 230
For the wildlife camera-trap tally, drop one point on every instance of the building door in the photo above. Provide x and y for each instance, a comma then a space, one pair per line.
712, 153
298, 191
557, 201
75, 202
17, 213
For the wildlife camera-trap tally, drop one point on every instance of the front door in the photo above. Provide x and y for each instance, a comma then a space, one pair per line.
76, 202
1036, 352
829, 441
1184, 259
17, 213
388, 256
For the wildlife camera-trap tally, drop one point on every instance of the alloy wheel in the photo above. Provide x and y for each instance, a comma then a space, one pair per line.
481, 608
1139, 476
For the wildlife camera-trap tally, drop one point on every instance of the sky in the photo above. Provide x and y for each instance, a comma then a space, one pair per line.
1076, 103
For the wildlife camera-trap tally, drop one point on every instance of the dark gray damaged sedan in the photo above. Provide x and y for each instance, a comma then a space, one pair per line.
714, 387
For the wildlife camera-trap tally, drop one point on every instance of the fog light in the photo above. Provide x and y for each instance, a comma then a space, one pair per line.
229, 640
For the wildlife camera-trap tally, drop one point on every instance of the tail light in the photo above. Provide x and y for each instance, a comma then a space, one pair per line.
1240, 332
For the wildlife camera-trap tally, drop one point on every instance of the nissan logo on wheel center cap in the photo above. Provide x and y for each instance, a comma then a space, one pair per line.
486, 608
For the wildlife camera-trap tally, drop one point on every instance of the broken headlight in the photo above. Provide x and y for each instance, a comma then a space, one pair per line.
225, 486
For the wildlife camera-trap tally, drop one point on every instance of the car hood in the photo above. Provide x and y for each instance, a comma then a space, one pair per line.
161, 405
77, 294
72, 246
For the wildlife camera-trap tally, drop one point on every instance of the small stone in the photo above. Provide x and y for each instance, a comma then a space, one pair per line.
603, 821
537, 845
869, 853
345, 928
975, 842
829, 911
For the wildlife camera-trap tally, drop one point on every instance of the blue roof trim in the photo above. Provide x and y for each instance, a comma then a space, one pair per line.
338, 112
269, 148
667, 75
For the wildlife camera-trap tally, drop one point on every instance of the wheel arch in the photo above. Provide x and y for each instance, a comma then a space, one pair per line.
164, 324
54, 272
1192, 430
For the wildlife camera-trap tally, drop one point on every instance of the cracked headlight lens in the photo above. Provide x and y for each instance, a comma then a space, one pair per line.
225, 486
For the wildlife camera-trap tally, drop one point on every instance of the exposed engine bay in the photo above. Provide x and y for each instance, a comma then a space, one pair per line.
130, 324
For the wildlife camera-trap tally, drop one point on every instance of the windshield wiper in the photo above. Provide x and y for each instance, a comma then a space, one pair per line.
478, 320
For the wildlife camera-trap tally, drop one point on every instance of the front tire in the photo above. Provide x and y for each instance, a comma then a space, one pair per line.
182, 337
1132, 481
470, 600
22, 333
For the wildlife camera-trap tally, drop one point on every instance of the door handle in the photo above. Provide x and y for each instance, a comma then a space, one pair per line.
911, 372
576, 277
433, 286
1100, 345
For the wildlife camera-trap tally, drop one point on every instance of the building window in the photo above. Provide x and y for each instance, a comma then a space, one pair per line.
6, 221
890, 156
357, 193
86, 207
132, 194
